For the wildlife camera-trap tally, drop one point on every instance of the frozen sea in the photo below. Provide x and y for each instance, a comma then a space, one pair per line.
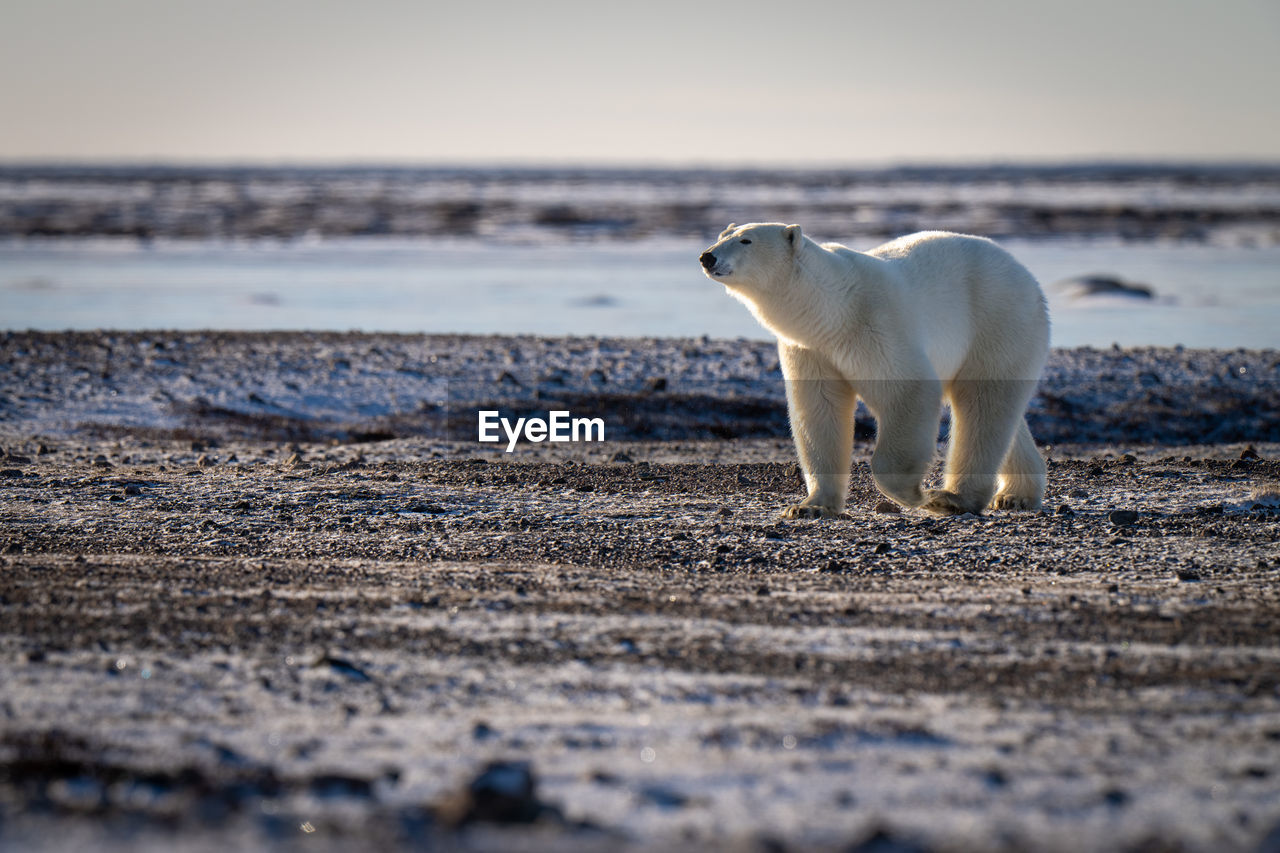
1206, 296
608, 252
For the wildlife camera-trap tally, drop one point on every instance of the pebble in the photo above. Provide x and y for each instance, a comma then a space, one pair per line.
1122, 517
343, 666
888, 508
663, 797
502, 792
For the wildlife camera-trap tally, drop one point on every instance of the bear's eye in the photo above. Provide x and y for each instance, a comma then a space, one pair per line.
745, 242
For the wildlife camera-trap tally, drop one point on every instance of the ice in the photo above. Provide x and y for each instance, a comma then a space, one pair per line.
1206, 296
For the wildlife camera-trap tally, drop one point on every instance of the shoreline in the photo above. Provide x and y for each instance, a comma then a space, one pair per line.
353, 387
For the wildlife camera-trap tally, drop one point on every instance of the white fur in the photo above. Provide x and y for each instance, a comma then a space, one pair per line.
926, 317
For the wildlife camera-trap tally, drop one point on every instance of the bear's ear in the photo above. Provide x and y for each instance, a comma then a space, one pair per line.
726, 232
793, 235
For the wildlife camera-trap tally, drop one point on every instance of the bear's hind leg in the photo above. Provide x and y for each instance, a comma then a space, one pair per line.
984, 418
1022, 476
906, 413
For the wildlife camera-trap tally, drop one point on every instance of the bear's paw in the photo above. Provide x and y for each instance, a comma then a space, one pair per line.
811, 511
941, 502
1015, 502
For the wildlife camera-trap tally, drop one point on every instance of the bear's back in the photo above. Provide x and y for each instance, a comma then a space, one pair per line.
968, 292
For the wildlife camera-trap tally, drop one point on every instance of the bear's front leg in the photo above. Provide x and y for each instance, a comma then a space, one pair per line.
820, 403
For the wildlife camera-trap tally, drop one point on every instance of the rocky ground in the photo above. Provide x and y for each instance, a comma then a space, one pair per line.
266, 622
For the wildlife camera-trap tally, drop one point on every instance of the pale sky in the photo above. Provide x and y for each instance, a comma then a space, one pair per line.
784, 82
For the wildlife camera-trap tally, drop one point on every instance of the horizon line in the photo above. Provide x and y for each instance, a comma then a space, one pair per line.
533, 164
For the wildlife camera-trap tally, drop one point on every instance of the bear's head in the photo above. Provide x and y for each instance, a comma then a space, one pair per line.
752, 259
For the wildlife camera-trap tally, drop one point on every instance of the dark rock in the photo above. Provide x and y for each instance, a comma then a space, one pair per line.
343, 666
663, 797
503, 792
888, 508
882, 840
337, 785
1122, 517
603, 777
1116, 797
1103, 285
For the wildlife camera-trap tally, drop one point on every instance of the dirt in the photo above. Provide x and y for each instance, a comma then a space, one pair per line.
416, 642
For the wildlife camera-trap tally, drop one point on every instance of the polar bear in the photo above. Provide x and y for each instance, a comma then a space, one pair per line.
926, 317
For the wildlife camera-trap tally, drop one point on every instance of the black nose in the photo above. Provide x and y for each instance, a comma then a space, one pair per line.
708, 260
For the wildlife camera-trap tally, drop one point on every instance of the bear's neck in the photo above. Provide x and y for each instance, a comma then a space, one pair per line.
827, 298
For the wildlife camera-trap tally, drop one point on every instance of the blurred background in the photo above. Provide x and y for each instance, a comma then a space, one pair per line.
556, 168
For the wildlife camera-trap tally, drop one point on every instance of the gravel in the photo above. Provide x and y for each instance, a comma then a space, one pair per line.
329, 616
